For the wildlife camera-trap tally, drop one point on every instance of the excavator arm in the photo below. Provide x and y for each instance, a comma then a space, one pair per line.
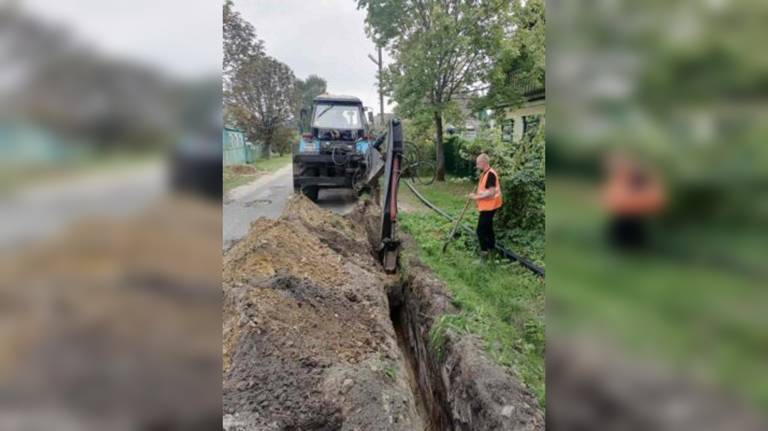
389, 164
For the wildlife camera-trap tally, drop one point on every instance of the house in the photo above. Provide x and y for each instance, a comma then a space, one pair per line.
524, 120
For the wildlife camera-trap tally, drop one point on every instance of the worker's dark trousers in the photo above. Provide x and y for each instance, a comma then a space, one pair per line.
485, 230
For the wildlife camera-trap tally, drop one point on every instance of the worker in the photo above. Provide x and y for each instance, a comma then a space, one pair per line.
488, 199
633, 194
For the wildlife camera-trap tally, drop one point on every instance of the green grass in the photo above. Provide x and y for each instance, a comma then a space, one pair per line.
501, 302
451, 195
13, 177
697, 317
272, 164
235, 177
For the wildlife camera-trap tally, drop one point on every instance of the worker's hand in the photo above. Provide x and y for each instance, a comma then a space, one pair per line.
472, 196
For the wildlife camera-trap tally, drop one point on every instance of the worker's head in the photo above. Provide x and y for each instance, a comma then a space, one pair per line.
482, 162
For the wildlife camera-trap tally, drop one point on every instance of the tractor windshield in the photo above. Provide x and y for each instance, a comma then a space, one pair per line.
329, 116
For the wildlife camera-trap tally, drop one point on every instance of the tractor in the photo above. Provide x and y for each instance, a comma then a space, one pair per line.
335, 149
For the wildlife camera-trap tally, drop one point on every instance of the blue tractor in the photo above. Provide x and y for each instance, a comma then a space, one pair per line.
335, 149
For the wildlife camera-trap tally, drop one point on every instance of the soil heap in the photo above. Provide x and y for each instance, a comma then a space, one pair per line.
113, 324
308, 344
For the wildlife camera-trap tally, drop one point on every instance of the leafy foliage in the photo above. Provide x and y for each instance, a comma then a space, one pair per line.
240, 42
263, 99
439, 50
521, 168
519, 59
259, 91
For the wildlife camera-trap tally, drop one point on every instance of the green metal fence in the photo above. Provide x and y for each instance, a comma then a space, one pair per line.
236, 150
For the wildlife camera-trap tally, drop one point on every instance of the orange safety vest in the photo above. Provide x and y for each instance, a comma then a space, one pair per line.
492, 202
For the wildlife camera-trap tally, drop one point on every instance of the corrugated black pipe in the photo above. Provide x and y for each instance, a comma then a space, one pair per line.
504, 252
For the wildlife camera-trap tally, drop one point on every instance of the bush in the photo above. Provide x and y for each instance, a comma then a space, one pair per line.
521, 168
455, 165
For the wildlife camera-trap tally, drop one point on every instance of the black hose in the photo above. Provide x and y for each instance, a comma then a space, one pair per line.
504, 252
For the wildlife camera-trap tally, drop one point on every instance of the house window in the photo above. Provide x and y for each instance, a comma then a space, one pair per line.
531, 125
508, 130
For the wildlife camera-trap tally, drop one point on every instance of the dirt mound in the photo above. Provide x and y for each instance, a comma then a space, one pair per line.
345, 235
280, 245
594, 385
297, 329
111, 324
307, 337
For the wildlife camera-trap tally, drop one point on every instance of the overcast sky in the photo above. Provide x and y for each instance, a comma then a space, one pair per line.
183, 38
324, 37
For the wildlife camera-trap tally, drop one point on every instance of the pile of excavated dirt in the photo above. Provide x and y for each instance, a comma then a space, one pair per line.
308, 344
593, 385
318, 337
113, 324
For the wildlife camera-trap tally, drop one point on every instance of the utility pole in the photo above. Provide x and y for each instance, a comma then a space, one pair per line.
380, 65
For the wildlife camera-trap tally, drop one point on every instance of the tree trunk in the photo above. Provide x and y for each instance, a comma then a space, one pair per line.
266, 148
439, 149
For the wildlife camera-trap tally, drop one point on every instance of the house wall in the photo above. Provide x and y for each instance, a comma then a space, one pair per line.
531, 108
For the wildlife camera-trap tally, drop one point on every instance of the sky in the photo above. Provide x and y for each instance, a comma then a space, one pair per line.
180, 37
322, 37
183, 38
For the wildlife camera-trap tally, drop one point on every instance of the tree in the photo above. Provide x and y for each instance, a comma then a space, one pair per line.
262, 99
240, 42
259, 91
519, 59
440, 49
307, 90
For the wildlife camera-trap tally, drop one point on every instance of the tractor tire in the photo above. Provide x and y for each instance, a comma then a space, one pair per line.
311, 192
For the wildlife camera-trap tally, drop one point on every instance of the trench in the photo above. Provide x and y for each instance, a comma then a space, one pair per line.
429, 409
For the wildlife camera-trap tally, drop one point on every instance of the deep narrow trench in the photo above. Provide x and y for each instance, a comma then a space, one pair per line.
427, 411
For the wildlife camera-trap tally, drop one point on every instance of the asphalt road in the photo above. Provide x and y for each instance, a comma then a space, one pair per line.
266, 197
40, 211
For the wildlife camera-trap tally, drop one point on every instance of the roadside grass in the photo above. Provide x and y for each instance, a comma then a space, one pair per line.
501, 302
450, 196
689, 314
237, 175
13, 176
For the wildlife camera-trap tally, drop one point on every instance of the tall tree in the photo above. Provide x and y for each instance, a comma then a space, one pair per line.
520, 58
262, 99
259, 91
439, 48
240, 42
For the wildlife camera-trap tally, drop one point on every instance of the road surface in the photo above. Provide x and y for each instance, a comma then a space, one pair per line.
266, 197
40, 211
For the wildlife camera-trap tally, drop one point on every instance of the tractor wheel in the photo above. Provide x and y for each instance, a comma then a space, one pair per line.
311, 192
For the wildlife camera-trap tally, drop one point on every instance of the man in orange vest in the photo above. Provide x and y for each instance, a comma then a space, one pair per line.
488, 199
